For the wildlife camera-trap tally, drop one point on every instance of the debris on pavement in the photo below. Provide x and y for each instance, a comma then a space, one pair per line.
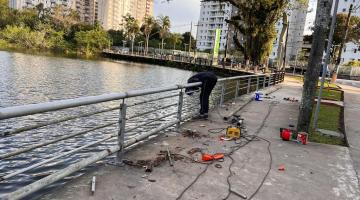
93, 182
191, 133
281, 168
194, 150
291, 99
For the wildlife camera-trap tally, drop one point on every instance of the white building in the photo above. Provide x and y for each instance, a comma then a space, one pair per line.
21, 4
295, 32
213, 16
351, 50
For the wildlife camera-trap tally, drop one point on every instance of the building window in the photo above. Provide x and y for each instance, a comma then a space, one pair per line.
344, 9
355, 50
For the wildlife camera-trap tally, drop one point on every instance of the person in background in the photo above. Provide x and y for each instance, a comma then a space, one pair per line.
208, 80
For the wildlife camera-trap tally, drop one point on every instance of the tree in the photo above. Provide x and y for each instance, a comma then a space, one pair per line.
117, 37
164, 24
92, 41
132, 28
354, 29
175, 38
147, 27
256, 20
314, 64
186, 39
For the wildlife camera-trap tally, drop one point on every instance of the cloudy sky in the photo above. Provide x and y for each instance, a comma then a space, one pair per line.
182, 12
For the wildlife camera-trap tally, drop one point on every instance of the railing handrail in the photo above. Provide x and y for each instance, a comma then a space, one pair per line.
30, 109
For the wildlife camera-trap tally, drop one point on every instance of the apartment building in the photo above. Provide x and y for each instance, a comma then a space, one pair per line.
111, 12
21, 4
293, 38
212, 17
87, 10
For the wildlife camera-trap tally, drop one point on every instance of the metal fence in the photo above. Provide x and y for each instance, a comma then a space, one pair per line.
172, 109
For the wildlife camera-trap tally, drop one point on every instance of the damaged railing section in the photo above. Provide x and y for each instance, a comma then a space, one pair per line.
172, 108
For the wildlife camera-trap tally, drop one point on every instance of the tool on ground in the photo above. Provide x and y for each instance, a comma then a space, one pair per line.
281, 168
233, 132
93, 181
292, 135
210, 157
169, 157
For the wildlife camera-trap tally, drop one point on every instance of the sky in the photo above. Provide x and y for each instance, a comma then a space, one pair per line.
182, 12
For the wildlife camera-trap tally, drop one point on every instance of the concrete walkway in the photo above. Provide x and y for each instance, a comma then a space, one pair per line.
312, 172
352, 126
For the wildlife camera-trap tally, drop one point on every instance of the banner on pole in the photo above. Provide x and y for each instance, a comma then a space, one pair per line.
216, 46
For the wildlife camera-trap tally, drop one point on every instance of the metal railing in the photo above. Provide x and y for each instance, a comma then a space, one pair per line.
167, 107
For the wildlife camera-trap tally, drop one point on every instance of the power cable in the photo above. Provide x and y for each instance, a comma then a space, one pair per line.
233, 150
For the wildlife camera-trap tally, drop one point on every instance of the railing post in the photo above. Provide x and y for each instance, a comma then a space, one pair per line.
121, 134
222, 93
249, 84
257, 83
264, 81
270, 79
237, 89
180, 105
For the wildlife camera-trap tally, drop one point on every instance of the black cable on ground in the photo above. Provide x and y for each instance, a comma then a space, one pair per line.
233, 150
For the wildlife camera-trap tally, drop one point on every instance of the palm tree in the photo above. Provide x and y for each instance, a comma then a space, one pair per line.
132, 28
175, 39
149, 24
164, 23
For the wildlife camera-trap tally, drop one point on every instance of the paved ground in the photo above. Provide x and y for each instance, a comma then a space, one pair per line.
348, 82
313, 171
352, 119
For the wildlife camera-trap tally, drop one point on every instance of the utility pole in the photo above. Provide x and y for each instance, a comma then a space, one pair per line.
323, 12
286, 42
338, 60
325, 64
190, 38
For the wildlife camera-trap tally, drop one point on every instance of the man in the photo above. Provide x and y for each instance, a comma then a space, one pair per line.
208, 80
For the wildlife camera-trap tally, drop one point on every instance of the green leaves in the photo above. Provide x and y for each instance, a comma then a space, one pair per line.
58, 29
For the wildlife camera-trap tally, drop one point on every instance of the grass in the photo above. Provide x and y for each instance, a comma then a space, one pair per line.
330, 94
327, 84
329, 120
319, 138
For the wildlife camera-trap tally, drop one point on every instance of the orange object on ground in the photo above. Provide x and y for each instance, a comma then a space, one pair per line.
209, 157
282, 168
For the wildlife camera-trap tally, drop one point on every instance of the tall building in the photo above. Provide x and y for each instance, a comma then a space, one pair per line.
351, 50
295, 33
111, 12
21, 4
87, 10
213, 16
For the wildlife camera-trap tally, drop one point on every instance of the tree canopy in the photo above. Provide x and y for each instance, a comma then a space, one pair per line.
41, 28
354, 29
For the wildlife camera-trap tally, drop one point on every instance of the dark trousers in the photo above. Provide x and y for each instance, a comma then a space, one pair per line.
206, 89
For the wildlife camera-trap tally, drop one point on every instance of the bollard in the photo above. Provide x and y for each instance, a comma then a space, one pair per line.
264, 82
222, 94
237, 89
180, 105
121, 134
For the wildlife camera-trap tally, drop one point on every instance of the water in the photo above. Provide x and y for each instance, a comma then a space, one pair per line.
27, 79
